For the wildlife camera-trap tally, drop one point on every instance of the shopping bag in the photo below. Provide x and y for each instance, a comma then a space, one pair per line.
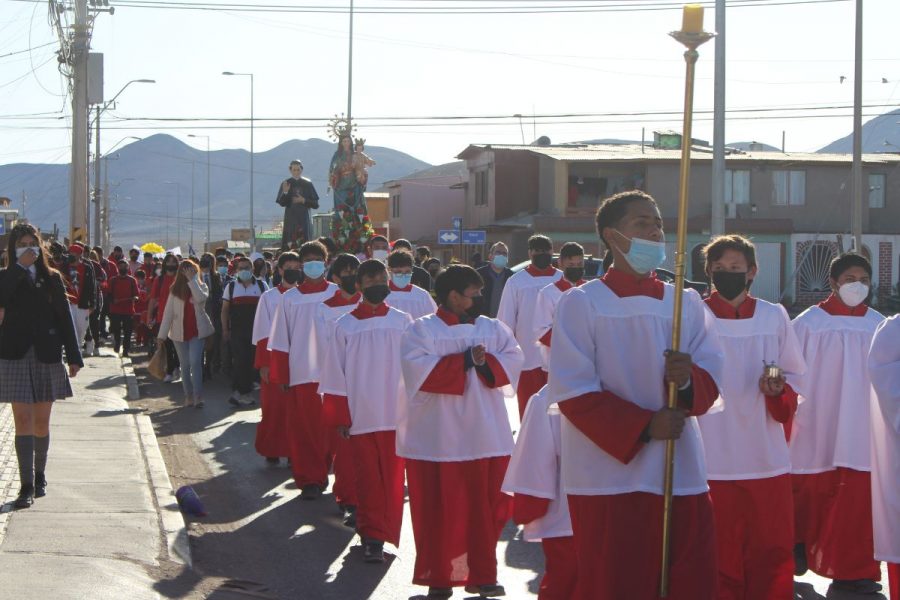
157, 366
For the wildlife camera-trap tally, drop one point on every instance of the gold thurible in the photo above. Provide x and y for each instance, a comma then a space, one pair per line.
691, 36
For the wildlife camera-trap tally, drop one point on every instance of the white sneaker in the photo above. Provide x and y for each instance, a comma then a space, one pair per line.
235, 398
176, 374
89, 348
168, 379
246, 400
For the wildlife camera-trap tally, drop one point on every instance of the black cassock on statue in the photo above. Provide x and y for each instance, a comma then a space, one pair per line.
297, 223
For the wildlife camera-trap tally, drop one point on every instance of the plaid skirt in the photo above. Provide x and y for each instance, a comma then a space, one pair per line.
28, 380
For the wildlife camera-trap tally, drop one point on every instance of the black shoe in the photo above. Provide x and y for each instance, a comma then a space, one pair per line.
438, 593
349, 516
373, 551
125, 354
40, 485
311, 491
26, 497
800, 565
861, 587
273, 460
491, 590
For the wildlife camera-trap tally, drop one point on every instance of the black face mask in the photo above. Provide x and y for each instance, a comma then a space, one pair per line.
542, 261
348, 284
574, 274
475, 310
171, 268
730, 284
375, 294
291, 276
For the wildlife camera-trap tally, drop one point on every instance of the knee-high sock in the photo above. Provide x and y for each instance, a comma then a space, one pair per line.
41, 446
25, 454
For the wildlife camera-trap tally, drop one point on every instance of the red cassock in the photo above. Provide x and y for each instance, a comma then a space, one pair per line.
517, 306
294, 345
361, 382
608, 392
830, 451
453, 429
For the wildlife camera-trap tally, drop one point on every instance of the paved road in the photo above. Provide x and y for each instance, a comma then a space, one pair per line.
260, 540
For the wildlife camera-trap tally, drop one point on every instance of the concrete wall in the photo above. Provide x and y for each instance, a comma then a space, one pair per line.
426, 205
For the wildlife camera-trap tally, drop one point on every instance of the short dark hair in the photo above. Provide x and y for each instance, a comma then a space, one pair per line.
220, 251
402, 243
287, 257
570, 249
267, 254
241, 259
378, 238
329, 245
849, 260
540, 243
424, 250
614, 208
369, 268
296, 162
313, 248
221, 259
341, 263
121, 262
455, 278
140, 274
717, 247
399, 258
429, 262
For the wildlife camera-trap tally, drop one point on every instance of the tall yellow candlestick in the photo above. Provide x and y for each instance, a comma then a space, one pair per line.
692, 18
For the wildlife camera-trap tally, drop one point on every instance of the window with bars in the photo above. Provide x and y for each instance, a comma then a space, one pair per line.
481, 188
789, 188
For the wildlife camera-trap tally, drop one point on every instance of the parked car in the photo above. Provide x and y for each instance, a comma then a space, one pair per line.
593, 268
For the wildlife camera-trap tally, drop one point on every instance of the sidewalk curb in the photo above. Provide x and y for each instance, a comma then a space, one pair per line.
131, 382
171, 519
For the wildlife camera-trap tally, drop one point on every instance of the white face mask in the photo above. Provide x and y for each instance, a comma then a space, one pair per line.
852, 294
380, 255
21, 251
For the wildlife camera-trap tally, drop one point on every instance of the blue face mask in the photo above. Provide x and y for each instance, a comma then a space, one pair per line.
644, 255
401, 280
314, 269
223, 271
500, 261
244, 276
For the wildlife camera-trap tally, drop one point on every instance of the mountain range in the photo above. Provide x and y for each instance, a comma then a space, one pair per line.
150, 187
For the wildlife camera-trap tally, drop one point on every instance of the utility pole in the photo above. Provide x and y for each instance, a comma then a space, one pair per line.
718, 164
105, 219
98, 233
192, 206
78, 208
856, 215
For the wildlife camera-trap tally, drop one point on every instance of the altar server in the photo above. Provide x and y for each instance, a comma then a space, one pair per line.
830, 435
747, 456
406, 296
272, 430
295, 362
361, 382
571, 263
540, 502
610, 366
884, 369
453, 429
517, 311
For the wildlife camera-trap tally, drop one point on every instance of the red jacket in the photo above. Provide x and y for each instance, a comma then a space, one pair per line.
122, 292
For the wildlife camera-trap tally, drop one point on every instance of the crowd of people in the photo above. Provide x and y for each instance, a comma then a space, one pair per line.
394, 373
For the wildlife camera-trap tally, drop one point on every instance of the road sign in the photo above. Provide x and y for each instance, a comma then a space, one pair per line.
475, 238
457, 223
2, 225
448, 236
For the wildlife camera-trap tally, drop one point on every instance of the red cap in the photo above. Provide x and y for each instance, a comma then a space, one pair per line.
76, 249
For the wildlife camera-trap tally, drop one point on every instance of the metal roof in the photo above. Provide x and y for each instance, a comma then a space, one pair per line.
634, 152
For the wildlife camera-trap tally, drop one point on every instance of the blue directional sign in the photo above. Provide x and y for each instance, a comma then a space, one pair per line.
448, 236
475, 238
457, 223
2, 225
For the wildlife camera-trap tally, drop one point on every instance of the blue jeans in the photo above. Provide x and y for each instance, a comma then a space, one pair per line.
190, 355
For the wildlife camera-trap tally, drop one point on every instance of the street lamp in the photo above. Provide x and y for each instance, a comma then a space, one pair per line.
252, 228
100, 109
208, 204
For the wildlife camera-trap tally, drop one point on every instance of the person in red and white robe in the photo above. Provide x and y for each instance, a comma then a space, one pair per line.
539, 501
272, 429
411, 299
830, 435
884, 371
361, 383
342, 273
747, 458
453, 430
610, 367
571, 263
517, 311
295, 363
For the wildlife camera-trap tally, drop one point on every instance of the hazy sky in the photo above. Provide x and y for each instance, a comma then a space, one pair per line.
447, 65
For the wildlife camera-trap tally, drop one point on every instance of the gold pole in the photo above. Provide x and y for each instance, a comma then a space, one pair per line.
691, 40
